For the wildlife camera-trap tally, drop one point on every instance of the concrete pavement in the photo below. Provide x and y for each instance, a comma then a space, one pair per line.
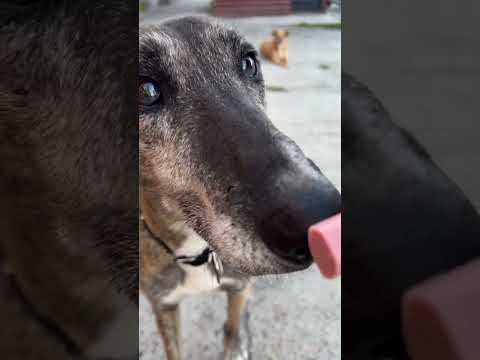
296, 316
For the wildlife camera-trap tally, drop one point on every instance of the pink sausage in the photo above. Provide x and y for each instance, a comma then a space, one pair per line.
441, 317
325, 242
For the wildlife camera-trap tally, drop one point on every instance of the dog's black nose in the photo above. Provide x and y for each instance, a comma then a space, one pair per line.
285, 227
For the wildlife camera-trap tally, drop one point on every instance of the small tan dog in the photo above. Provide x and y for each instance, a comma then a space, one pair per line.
275, 47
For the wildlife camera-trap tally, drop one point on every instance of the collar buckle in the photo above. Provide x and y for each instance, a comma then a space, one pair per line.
207, 256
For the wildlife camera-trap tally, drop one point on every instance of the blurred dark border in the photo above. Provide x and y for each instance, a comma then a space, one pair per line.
422, 61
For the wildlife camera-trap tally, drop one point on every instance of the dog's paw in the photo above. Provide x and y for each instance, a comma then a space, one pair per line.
239, 353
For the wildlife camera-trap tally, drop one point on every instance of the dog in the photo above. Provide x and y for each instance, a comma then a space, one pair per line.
275, 47
68, 179
224, 195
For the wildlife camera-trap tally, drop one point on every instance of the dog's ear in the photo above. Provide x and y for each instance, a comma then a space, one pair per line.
286, 33
276, 33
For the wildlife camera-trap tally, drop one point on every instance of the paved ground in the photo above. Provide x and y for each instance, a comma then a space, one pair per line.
295, 316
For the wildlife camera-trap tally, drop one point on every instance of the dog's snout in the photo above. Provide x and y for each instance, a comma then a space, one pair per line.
285, 228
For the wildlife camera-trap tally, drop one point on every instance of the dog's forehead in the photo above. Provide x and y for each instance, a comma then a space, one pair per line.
157, 38
182, 37
202, 30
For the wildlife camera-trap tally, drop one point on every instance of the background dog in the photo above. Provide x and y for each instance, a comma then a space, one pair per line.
275, 47
215, 175
68, 178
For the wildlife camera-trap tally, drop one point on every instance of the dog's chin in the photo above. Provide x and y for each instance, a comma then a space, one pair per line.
260, 264
244, 251
272, 268
283, 266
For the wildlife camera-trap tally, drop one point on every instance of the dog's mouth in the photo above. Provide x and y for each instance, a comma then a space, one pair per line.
244, 251
268, 232
274, 243
297, 257
291, 264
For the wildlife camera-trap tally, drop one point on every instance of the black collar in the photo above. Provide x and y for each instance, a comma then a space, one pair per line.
157, 239
198, 260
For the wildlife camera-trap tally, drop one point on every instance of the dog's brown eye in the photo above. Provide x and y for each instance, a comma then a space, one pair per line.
149, 93
249, 66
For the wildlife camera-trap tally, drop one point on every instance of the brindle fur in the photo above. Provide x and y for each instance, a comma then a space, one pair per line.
68, 172
212, 165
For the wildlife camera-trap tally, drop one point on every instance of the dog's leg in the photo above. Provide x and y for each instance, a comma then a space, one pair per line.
237, 299
169, 327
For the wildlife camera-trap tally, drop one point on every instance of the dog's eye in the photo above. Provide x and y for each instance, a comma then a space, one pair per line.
148, 93
249, 66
